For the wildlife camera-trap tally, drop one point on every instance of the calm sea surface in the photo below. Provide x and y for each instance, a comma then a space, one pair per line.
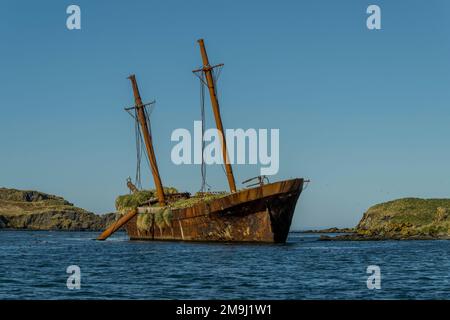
33, 266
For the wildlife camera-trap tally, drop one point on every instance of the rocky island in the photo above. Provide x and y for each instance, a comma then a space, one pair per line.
33, 210
403, 219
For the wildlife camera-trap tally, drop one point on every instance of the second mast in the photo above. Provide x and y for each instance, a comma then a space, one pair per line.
207, 69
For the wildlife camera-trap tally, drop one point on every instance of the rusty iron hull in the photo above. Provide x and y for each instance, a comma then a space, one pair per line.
261, 214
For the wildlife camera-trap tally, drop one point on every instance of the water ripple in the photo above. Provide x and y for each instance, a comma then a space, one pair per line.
33, 266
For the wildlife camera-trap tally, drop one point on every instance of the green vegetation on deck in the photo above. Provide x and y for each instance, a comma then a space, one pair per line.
162, 217
141, 198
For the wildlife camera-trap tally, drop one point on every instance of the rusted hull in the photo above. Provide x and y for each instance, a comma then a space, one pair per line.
261, 214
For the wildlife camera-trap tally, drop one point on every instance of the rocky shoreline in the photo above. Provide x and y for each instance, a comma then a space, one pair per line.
33, 210
359, 237
330, 230
402, 219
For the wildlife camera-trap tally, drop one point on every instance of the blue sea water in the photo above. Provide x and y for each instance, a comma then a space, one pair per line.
33, 266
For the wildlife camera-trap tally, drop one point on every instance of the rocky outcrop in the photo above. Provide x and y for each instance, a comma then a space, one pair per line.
331, 230
63, 220
403, 219
35, 210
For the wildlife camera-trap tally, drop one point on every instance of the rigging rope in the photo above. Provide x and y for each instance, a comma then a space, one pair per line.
215, 75
138, 138
202, 113
140, 145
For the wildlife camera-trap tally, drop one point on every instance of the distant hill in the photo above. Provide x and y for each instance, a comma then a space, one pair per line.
34, 210
408, 218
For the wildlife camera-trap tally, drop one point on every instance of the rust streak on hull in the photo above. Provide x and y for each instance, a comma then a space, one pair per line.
261, 214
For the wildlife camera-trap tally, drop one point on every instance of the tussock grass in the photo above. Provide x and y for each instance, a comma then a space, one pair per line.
132, 201
162, 217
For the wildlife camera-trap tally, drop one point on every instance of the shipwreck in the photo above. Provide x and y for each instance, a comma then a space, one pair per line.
262, 212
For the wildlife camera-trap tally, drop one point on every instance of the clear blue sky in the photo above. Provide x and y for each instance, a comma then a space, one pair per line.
364, 114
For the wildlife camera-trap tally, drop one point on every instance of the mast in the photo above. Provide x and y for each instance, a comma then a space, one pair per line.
148, 141
207, 69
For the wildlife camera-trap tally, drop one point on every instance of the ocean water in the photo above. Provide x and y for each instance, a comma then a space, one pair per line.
33, 266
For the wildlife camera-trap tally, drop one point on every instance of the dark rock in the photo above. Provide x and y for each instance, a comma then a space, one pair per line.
2, 222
